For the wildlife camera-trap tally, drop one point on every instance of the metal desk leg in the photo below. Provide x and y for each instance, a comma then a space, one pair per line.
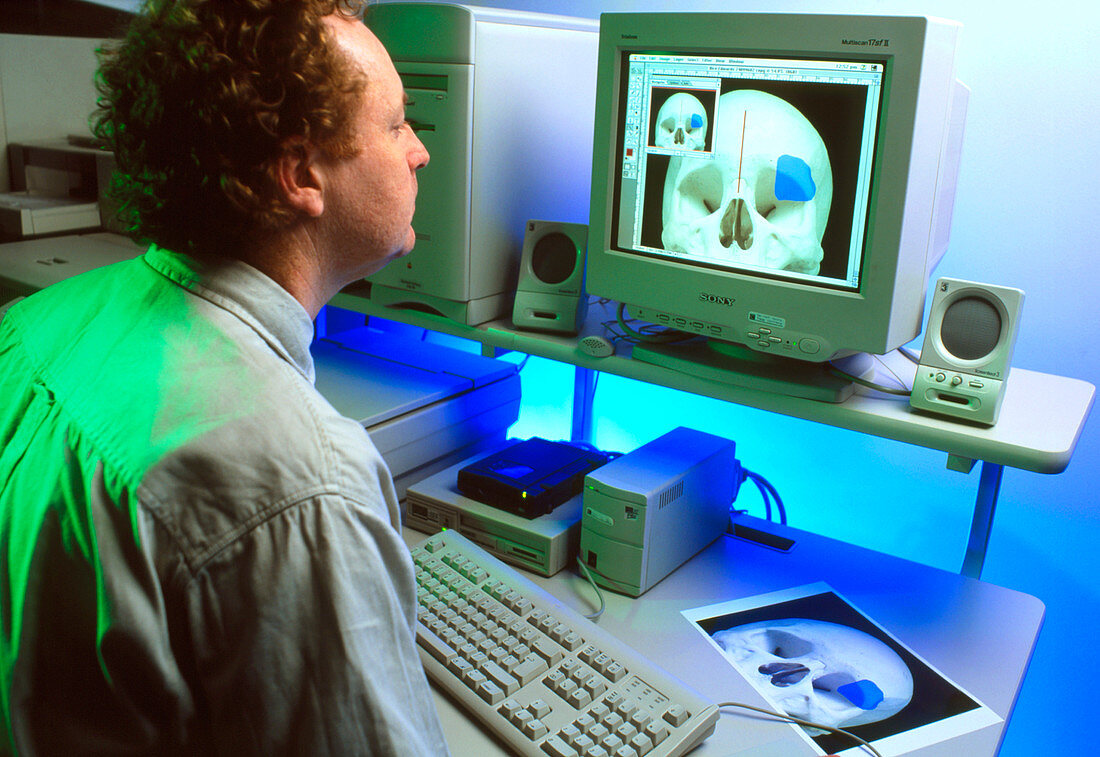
988, 487
584, 392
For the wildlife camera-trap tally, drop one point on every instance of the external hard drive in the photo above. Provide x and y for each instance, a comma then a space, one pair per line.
529, 478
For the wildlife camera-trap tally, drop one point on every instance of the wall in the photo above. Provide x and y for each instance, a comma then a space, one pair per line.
1025, 217
46, 90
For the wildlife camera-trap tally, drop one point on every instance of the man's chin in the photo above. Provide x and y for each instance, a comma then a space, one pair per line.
410, 242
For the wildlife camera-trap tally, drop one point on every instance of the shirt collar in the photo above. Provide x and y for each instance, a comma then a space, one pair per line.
251, 296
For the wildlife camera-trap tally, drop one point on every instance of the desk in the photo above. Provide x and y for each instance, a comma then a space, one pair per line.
981, 636
1041, 419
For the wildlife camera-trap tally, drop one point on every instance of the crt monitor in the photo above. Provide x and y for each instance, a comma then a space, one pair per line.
780, 184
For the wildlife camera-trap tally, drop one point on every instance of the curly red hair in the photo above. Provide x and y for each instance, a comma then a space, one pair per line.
200, 99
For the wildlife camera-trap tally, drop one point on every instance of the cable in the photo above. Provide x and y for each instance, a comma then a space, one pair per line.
806, 723
870, 384
763, 494
588, 574
893, 373
642, 335
769, 493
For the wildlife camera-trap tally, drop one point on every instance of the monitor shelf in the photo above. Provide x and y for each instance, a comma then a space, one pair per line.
1040, 424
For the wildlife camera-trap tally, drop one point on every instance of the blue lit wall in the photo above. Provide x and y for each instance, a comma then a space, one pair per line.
1025, 216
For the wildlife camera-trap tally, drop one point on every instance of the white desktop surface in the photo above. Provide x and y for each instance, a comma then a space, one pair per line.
979, 635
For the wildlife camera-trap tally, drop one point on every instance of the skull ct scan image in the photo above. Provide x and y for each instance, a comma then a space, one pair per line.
762, 199
823, 672
681, 123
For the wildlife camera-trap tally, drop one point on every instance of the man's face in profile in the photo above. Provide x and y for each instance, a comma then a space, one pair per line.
372, 194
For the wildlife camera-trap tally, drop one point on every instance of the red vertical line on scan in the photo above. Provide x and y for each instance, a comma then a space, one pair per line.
741, 157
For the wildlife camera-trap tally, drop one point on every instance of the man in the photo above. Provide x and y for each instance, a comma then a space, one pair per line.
199, 554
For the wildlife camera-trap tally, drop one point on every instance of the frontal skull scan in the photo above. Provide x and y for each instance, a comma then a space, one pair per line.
763, 199
681, 123
830, 674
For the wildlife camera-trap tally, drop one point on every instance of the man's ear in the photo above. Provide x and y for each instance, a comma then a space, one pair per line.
299, 178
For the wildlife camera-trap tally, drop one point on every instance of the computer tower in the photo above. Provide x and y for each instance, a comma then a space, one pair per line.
503, 101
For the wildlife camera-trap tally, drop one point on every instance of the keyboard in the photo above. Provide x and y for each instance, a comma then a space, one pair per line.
542, 677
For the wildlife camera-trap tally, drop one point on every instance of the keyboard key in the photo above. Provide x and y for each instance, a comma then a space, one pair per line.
547, 650
614, 672
500, 677
534, 729
570, 733
612, 743
434, 645
676, 715
579, 698
509, 707
641, 744
474, 678
626, 732
571, 640
539, 708
585, 722
583, 743
490, 692
530, 668
599, 732
656, 732
555, 747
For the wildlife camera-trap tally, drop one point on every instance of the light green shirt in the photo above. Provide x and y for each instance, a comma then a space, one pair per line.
199, 554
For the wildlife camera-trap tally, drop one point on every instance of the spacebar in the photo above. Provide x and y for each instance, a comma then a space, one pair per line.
434, 645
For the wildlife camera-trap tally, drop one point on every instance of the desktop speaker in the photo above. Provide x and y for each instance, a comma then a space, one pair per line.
550, 292
964, 363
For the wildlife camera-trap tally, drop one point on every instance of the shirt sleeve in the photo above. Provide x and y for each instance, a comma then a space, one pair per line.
304, 637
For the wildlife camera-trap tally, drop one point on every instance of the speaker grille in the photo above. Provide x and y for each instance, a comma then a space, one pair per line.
553, 258
971, 328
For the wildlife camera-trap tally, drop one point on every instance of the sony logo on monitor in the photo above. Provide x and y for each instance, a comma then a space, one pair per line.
716, 299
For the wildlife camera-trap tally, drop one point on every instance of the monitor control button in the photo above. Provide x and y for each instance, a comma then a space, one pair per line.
809, 346
941, 377
956, 380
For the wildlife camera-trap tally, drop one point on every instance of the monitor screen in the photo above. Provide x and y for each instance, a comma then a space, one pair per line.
759, 165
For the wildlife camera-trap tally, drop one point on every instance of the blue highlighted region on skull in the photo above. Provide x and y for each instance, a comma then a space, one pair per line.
793, 180
863, 694
696, 121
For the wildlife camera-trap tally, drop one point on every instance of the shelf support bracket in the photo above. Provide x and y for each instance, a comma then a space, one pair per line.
584, 393
989, 486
